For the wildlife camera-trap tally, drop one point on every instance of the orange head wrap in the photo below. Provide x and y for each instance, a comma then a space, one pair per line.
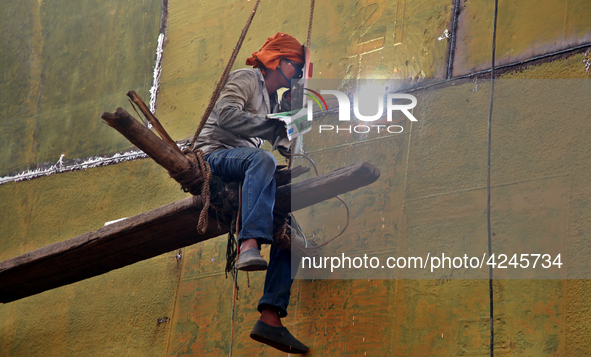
280, 45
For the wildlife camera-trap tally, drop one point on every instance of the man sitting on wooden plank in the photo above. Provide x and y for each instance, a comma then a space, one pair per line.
231, 140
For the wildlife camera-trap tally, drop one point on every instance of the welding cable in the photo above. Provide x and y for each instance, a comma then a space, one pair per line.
290, 156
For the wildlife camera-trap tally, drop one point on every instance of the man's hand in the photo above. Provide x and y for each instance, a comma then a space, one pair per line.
282, 143
280, 135
280, 129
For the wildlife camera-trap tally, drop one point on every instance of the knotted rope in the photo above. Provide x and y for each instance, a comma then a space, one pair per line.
198, 168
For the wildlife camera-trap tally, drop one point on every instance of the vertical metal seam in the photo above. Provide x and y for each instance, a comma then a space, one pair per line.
452, 42
490, 109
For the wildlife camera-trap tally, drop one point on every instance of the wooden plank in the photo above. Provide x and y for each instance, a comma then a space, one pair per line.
150, 234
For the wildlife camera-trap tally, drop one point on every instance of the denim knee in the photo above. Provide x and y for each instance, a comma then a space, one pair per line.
265, 161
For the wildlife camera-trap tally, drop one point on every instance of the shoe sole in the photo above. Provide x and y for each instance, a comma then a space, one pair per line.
277, 345
252, 267
252, 263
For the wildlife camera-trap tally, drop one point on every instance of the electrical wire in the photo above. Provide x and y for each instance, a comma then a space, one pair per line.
286, 154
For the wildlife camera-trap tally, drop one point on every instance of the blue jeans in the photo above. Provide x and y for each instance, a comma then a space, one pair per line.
256, 169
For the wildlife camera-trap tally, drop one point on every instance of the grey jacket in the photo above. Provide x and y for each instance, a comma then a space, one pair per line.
239, 116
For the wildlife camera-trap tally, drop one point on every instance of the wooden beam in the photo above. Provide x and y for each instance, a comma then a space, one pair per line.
324, 187
165, 154
150, 234
114, 246
135, 98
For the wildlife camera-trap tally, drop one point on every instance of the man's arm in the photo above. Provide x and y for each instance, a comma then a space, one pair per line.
241, 87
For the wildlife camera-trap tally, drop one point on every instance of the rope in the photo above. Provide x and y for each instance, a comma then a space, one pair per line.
205, 193
310, 24
234, 295
235, 290
231, 252
224, 78
197, 187
232, 249
205, 169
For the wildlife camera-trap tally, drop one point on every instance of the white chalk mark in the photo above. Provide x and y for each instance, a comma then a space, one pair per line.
445, 35
88, 163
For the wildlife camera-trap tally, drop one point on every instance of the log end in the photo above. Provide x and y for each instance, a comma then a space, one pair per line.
108, 116
119, 119
371, 170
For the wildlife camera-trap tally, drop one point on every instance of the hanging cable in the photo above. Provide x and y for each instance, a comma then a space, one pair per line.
286, 154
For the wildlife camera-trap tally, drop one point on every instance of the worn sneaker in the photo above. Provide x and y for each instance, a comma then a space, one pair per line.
278, 337
251, 260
